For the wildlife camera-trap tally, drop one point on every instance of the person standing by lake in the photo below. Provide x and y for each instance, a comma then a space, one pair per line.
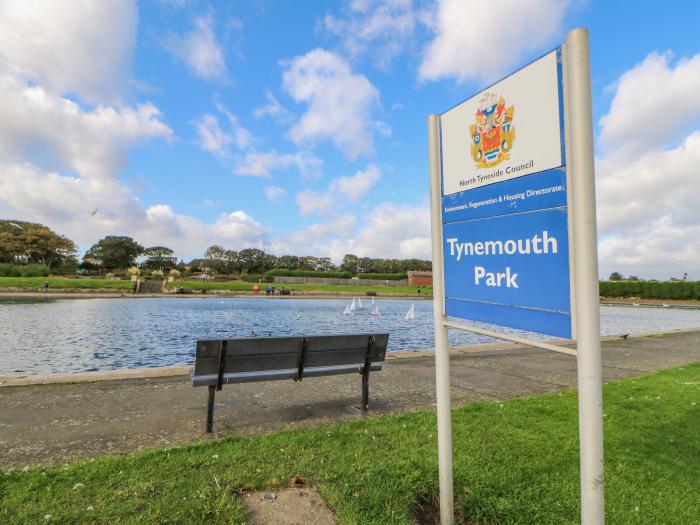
46, 286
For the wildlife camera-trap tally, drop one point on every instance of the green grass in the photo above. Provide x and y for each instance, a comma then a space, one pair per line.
514, 462
60, 283
331, 289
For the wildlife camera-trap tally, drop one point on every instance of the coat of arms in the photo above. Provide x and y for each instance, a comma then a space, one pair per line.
493, 134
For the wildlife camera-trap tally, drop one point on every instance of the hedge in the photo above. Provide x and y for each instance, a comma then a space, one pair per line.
305, 273
651, 289
383, 276
23, 270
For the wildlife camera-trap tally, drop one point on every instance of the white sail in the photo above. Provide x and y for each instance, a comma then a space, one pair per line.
359, 303
376, 311
411, 314
352, 306
372, 301
347, 310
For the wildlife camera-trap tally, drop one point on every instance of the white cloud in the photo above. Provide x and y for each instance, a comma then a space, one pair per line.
391, 230
396, 231
275, 193
68, 47
381, 28
339, 103
199, 49
355, 187
273, 109
212, 138
59, 160
262, 164
331, 238
647, 181
65, 202
341, 190
477, 40
654, 104
53, 130
312, 201
240, 228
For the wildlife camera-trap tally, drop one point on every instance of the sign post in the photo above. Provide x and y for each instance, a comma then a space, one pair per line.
442, 349
514, 241
588, 354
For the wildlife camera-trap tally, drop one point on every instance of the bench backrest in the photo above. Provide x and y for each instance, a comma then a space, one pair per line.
257, 354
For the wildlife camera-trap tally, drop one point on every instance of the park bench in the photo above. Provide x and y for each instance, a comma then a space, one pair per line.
245, 360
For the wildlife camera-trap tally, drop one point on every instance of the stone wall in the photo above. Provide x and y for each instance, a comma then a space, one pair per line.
326, 280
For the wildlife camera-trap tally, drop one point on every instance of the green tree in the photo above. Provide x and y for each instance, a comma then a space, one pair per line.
114, 252
349, 264
364, 265
307, 262
288, 262
216, 255
324, 264
615, 276
27, 242
251, 260
159, 257
269, 262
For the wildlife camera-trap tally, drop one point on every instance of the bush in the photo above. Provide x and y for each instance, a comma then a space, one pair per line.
23, 270
251, 277
305, 273
64, 269
651, 289
383, 276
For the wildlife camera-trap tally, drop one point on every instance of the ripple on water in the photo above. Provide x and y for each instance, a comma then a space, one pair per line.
79, 335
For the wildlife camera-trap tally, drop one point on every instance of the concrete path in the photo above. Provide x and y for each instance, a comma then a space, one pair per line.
56, 423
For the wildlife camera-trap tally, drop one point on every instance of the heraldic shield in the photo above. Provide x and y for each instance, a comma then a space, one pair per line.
493, 134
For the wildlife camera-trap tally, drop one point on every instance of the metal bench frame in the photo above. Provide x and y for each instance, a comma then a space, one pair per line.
216, 381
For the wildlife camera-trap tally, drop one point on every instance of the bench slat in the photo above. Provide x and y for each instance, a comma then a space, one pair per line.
274, 354
248, 363
247, 346
276, 345
289, 373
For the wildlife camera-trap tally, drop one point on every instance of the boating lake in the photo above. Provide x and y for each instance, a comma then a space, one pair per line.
78, 335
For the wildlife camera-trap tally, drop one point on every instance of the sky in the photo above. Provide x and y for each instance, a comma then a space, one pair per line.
301, 127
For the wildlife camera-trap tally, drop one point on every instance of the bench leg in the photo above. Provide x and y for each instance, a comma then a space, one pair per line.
210, 409
365, 391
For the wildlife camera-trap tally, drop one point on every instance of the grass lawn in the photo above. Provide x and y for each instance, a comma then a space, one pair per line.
60, 283
515, 462
239, 286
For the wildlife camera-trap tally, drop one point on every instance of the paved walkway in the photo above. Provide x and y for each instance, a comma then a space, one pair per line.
57, 423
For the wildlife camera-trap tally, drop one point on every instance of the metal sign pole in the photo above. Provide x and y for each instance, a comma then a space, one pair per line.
590, 397
442, 350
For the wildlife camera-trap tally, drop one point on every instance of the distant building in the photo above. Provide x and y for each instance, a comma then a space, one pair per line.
420, 278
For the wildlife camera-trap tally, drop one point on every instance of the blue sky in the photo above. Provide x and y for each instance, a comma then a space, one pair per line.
300, 127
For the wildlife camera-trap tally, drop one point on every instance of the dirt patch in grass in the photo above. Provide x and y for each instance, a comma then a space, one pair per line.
298, 504
428, 513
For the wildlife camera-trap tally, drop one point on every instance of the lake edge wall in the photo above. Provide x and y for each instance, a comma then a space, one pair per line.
326, 280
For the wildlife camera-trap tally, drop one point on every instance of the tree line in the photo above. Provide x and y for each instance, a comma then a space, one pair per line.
24, 243
256, 261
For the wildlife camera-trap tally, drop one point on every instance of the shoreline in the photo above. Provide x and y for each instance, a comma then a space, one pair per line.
218, 294
146, 373
214, 294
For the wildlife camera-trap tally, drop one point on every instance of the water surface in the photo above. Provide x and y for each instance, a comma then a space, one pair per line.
72, 335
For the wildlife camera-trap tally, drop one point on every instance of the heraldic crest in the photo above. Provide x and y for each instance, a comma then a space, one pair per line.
493, 134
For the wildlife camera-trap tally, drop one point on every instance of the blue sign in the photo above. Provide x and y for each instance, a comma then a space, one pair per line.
505, 237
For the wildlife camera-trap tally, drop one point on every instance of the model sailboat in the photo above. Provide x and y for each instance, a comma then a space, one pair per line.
411, 313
